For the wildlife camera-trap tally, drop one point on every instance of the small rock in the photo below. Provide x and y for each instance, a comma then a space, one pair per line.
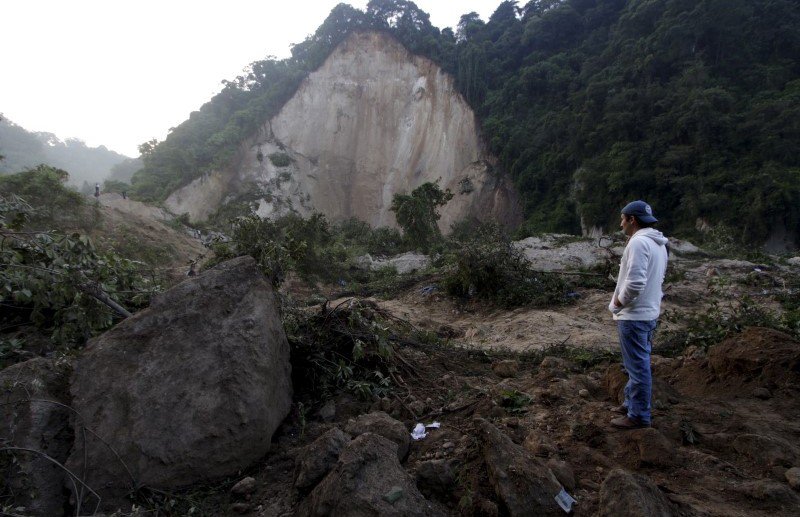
384, 425
448, 445
506, 368
487, 508
497, 412
328, 411
588, 484
584, 393
240, 507
563, 473
762, 393
654, 448
393, 495
418, 407
244, 486
626, 494
793, 477
437, 477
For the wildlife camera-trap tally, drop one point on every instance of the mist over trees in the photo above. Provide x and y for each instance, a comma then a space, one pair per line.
25, 150
690, 104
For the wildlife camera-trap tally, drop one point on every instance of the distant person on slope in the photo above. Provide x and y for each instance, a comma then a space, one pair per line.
636, 306
96, 190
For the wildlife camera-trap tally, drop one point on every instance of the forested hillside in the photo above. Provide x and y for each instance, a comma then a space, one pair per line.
24, 149
691, 104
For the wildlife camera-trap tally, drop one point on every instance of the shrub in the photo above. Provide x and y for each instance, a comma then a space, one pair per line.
488, 266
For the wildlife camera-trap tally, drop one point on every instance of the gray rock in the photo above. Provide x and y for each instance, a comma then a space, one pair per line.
187, 390
318, 458
367, 480
762, 393
28, 421
523, 483
794, 261
328, 411
437, 477
624, 494
382, 424
563, 473
244, 486
793, 477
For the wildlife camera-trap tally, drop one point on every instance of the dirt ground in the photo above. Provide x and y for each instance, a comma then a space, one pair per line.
726, 422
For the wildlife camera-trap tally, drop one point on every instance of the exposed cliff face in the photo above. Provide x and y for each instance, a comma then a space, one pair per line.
372, 121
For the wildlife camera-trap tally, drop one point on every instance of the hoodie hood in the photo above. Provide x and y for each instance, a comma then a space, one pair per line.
654, 234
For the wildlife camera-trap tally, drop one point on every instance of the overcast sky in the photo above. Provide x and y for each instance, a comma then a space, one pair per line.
120, 72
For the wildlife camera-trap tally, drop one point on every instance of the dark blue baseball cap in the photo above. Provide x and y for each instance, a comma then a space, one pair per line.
641, 210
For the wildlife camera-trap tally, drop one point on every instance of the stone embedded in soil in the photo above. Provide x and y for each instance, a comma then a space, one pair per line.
793, 477
245, 486
367, 470
654, 448
327, 412
437, 477
767, 450
563, 473
625, 494
382, 424
522, 482
506, 368
318, 458
770, 494
761, 393
240, 507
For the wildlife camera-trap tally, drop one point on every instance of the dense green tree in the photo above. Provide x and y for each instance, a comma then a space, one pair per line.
417, 213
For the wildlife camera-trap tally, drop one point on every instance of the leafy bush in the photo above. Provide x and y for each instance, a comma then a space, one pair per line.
417, 214
60, 284
487, 265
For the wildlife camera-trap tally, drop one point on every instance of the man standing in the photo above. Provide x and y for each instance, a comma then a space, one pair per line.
636, 306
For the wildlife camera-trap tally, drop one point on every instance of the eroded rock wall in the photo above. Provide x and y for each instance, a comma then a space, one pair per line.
373, 121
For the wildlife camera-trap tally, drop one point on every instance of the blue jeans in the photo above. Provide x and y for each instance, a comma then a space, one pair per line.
636, 341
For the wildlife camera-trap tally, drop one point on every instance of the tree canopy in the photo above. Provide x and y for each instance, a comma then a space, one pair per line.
690, 104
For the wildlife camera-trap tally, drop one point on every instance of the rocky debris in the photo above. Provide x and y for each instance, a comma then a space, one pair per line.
765, 356
368, 480
382, 424
437, 478
405, 263
244, 486
506, 368
794, 261
328, 411
762, 393
29, 420
190, 389
563, 472
793, 477
654, 448
625, 494
318, 458
770, 494
522, 482
540, 444
241, 507
554, 252
767, 450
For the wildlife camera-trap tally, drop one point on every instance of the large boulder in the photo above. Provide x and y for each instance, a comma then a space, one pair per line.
190, 389
368, 480
522, 482
34, 416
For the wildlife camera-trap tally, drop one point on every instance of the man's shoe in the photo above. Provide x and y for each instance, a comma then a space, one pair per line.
622, 410
625, 422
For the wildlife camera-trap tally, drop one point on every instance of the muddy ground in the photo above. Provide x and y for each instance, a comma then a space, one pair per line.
726, 423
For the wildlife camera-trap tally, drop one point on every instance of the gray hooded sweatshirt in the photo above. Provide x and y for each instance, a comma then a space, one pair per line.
641, 275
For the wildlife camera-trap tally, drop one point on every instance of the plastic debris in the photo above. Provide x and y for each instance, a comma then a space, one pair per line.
434, 425
419, 432
565, 501
428, 290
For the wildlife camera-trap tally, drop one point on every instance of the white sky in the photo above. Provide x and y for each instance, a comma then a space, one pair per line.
120, 72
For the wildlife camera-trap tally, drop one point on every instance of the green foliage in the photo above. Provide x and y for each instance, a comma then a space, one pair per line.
288, 243
117, 187
707, 328
487, 265
361, 237
280, 159
417, 214
49, 280
345, 347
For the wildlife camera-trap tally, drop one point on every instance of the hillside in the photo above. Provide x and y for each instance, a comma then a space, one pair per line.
585, 104
23, 150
